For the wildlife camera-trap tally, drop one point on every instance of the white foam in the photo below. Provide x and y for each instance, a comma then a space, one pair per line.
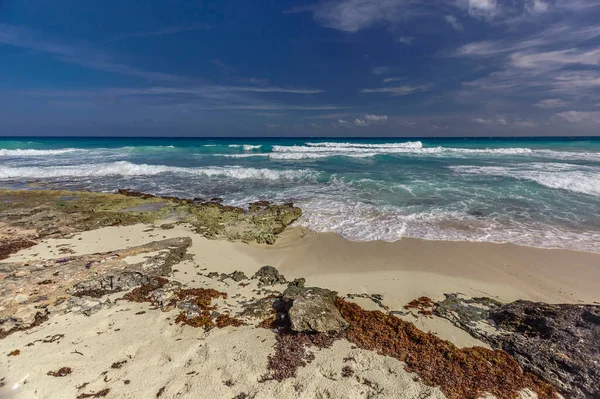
123, 168
234, 145
408, 144
579, 179
358, 221
250, 147
33, 153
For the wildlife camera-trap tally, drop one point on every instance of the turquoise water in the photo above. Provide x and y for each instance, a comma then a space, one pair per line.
535, 192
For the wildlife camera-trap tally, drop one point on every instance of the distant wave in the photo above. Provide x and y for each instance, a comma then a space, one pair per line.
123, 168
408, 144
33, 153
250, 147
585, 180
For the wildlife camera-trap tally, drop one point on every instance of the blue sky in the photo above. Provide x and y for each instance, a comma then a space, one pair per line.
300, 68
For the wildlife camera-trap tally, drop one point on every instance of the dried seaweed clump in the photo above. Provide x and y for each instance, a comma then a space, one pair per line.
198, 300
423, 304
10, 247
291, 353
140, 294
61, 372
99, 394
224, 320
466, 373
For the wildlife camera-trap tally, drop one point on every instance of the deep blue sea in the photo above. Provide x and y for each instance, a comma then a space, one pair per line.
535, 192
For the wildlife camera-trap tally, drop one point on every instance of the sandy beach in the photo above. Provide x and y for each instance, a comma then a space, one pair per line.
135, 350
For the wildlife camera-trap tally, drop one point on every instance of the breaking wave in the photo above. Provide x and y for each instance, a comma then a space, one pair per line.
33, 153
124, 168
585, 180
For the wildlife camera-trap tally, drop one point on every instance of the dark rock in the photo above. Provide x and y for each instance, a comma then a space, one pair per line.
560, 343
312, 309
467, 313
268, 275
212, 275
237, 276
298, 282
261, 308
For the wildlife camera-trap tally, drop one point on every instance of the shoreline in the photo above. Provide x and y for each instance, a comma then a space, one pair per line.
378, 276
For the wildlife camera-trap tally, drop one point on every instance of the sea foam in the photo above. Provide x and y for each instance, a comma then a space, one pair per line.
124, 168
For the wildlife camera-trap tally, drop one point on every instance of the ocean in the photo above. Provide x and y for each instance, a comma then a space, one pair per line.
540, 192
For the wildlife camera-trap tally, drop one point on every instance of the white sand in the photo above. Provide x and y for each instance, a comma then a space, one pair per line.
222, 363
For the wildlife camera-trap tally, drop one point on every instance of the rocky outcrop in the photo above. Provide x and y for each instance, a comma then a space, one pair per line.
268, 275
560, 343
30, 215
312, 309
30, 292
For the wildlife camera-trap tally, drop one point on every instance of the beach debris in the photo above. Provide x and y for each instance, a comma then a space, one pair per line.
118, 365
8, 247
461, 373
61, 372
423, 304
292, 352
94, 395
268, 275
16, 352
560, 343
224, 320
312, 309
347, 371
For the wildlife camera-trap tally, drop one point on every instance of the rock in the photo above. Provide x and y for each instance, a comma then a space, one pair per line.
237, 276
268, 275
212, 275
38, 214
87, 276
260, 308
312, 309
298, 282
560, 343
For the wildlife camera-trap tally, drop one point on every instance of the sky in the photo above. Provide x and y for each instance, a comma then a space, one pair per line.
369, 68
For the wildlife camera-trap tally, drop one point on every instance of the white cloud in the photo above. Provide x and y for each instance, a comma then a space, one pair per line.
483, 8
344, 123
353, 15
499, 120
536, 6
555, 59
580, 116
551, 103
376, 118
525, 123
452, 20
389, 80
370, 119
400, 90
382, 70
271, 126
406, 39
